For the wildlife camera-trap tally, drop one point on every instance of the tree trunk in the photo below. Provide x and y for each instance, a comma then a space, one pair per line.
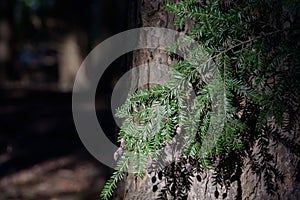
70, 59
245, 184
148, 13
285, 149
6, 23
254, 186
145, 13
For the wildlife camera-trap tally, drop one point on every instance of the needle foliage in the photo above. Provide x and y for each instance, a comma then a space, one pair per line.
254, 46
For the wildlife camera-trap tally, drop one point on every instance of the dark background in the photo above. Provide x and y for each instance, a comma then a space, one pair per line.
41, 155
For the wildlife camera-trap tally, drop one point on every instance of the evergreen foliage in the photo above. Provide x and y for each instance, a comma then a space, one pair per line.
257, 56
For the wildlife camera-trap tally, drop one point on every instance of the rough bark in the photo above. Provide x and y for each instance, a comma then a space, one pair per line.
145, 13
247, 185
286, 154
150, 13
287, 161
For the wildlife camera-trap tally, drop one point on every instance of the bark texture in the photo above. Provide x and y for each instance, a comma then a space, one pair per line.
286, 154
145, 13
151, 14
246, 185
254, 186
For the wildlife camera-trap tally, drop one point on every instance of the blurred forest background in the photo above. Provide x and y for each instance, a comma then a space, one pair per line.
42, 44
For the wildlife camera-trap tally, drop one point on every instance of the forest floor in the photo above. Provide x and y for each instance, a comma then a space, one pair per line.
41, 155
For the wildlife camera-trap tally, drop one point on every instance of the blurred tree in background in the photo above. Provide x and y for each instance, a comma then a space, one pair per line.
42, 44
